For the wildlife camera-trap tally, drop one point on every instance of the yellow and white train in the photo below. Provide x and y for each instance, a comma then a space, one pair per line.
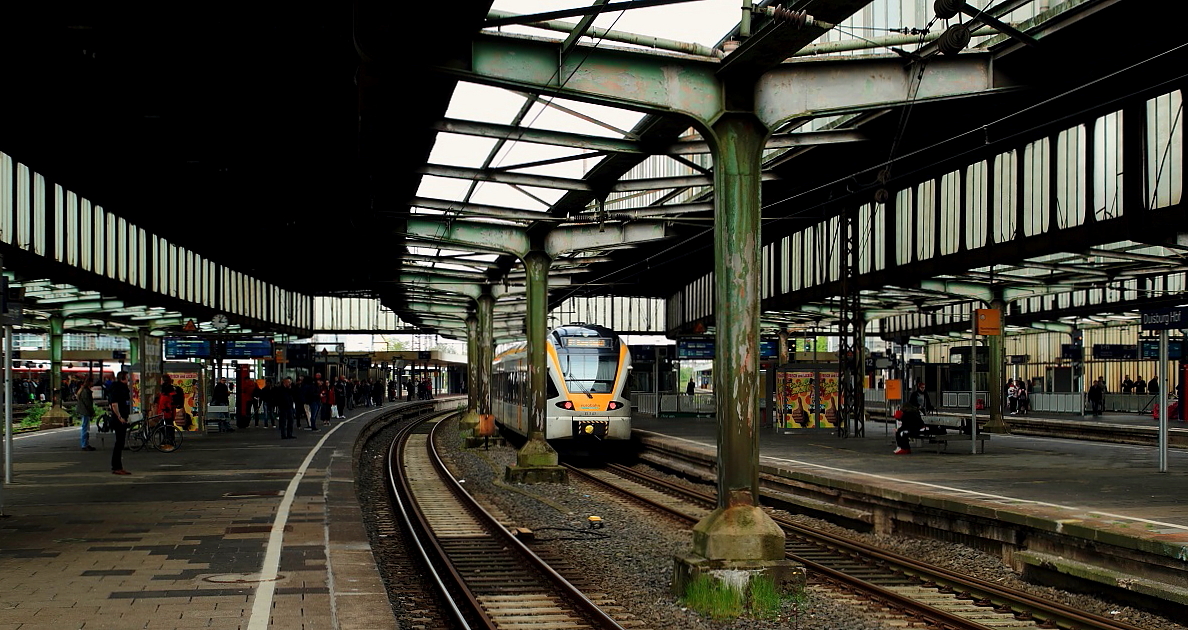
587, 386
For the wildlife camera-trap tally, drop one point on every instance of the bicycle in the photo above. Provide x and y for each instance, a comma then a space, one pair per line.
154, 431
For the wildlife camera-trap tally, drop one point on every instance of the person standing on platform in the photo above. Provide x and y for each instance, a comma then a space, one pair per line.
86, 411
689, 387
312, 400
1096, 397
221, 397
340, 396
1127, 385
1140, 386
284, 400
1153, 386
409, 386
121, 406
377, 392
167, 411
1012, 397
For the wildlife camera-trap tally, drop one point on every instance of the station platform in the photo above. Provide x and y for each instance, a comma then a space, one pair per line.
1040, 501
1063, 478
234, 531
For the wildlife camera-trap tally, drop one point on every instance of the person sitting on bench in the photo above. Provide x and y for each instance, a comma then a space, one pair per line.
911, 423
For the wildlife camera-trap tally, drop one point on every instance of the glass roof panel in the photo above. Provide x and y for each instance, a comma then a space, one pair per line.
457, 150
543, 116
515, 153
483, 103
443, 187
702, 22
505, 195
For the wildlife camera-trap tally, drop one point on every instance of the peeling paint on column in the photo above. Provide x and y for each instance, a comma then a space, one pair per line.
737, 151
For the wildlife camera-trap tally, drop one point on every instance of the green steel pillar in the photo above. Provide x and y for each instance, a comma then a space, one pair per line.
57, 324
486, 352
133, 351
536, 461
994, 397
471, 419
738, 529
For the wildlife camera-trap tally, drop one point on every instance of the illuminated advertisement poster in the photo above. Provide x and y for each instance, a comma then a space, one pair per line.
806, 399
134, 390
797, 388
188, 382
828, 397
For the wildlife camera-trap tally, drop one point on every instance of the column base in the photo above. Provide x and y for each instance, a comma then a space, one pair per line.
787, 576
55, 417
469, 421
535, 474
997, 425
478, 441
741, 531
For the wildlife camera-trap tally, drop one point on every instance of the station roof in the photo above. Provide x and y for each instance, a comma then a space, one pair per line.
295, 145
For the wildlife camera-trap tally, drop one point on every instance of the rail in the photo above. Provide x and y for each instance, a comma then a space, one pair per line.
1005, 602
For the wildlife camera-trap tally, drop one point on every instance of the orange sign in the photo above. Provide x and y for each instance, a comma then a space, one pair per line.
190, 327
894, 388
987, 321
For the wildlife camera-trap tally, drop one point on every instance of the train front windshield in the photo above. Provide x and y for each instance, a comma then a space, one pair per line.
590, 373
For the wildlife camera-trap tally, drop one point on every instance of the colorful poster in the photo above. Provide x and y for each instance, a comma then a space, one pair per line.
828, 398
189, 384
134, 388
798, 396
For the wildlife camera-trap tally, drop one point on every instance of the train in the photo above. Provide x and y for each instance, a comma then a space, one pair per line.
588, 369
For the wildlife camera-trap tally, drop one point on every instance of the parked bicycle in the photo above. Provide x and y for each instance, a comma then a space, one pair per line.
156, 432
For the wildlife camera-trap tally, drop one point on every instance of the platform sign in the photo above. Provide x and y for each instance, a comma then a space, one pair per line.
987, 321
1115, 351
769, 349
254, 348
182, 348
1072, 352
1165, 319
1149, 349
643, 354
695, 348
1019, 359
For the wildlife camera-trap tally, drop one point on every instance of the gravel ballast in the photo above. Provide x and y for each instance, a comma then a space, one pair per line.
631, 557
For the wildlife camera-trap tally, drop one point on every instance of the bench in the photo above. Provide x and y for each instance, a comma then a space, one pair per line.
944, 440
216, 415
935, 432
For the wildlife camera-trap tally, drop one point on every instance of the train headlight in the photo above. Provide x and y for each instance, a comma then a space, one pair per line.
565, 404
614, 404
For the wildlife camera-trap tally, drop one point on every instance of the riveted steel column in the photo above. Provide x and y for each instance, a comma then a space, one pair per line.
57, 323
471, 419
133, 352
486, 351
537, 452
995, 355
736, 311
738, 530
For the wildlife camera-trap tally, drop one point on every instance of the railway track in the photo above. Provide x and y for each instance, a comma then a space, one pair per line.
487, 576
899, 587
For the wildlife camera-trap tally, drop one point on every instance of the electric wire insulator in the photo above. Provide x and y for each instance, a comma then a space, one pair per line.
954, 39
795, 19
947, 9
